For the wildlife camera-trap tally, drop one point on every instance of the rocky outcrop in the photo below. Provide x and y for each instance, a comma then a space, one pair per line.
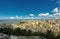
4, 36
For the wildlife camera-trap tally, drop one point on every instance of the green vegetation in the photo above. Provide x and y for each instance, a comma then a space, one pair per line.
24, 32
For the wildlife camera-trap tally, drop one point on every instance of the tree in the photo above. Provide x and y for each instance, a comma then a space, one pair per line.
7, 31
24, 32
58, 36
50, 35
17, 31
1, 30
29, 33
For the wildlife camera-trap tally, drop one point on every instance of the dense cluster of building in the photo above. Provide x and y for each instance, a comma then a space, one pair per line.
39, 25
36, 25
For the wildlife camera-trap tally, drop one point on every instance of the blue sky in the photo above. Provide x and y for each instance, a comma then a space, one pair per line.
26, 8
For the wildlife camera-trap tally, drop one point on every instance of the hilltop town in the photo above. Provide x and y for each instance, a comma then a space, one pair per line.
44, 28
36, 25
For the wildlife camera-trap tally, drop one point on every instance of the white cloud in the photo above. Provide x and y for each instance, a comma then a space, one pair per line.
42, 14
31, 14
21, 17
32, 17
58, 2
11, 17
17, 17
51, 15
55, 10
56, 14
28, 17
